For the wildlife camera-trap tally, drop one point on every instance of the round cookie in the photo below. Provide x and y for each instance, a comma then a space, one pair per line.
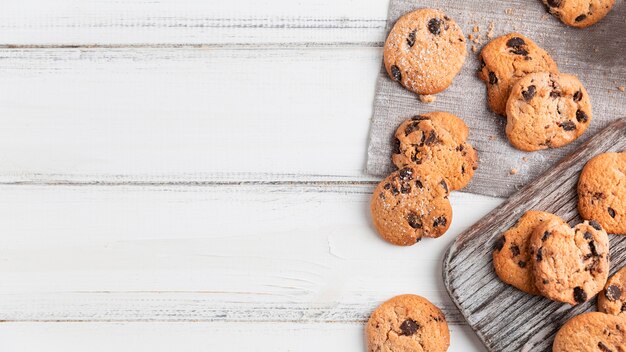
407, 323
511, 258
579, 13
437, 140
409, 204
592, 332
424, 51
602, 191
505, 60
546, 110
612, 300
570, 265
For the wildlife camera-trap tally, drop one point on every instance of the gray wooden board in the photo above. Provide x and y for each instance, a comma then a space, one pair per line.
595, 54
505, 318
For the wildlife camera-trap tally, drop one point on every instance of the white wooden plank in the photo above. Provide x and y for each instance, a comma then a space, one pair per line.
114, 115
230, 253
102, 22
191, 337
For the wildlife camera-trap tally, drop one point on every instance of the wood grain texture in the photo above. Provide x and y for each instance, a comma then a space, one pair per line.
505, 318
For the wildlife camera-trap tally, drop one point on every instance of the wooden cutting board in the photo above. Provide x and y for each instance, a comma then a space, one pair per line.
505, 318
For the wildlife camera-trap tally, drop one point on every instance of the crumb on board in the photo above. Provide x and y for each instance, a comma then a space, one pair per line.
492, 138
524, 159
621, 88
474, 48
476, 29
509, 11
545, 16
427, 98
490, 30
513, 171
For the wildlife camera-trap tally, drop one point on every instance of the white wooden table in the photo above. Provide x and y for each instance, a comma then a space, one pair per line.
187, 175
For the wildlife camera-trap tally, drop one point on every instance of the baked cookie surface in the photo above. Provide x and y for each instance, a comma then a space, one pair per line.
593, 332
424, 51
437, 140
602, 191
570, 265
612, 300
546, 110
579, 13
407, 323
511, 256
409, 204
505, 60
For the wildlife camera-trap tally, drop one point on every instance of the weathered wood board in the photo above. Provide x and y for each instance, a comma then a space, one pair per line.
505, 318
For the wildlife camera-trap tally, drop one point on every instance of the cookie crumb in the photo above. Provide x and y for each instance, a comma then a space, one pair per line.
621, 88
524, 159
474, 48
513, 171
490, 30
476, 29
427, 98
545, 16
492, 138
508, 11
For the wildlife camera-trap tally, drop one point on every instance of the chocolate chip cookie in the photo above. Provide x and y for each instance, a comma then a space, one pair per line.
424, 51
409, 204
592, 332
504, 61
511, 257
546, 110
612, 300
437, 140
579, 13
570, 265
407, 323
602, 191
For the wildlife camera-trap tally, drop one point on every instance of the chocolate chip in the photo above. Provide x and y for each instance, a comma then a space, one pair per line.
396, 146
611, 212
529, 93
444, 185
555, 94
580, 18
482, 65
419, 184
411, 39
613, 293
410, 128
567, 125
578, 96
405, 188
592, 248
579, 295
415, 159
394, 190
406, 174
545, 282
499, 244
434, 26
492, 78
440, 221
603, 347
387, 186
545, 235
463, 169
414, 221
595, 225
520, 51
539, 254
554, 3
515, 250
381, 195
515, 42
460, 148
409, 327
395, 71
581, 116
432, 138
587, 236
419, 118
522, 264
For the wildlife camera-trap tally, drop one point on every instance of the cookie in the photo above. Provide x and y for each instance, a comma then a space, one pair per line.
424, 51
409, 204
592, 332
506, 59
570, 265
407, 323
579, 13
602, 191
511, 258
437, 140
612, 300
546, 110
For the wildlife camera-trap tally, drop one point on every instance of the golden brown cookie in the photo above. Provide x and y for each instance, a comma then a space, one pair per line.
511, 257
407, 323
409, 204
437, 140
602, 191
505, 60
612, 300
592, 332
424, 51
570, 265
579, 13
546, 110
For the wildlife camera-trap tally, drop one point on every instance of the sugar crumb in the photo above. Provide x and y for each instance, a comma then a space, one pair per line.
427, 98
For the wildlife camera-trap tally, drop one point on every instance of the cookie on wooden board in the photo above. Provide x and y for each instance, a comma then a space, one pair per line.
612, 300
511, 256
602, 191
592, 332
424, 51
579, 13
407, 323
546, 110
437, 140
409, 204
506, 59
570, 265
